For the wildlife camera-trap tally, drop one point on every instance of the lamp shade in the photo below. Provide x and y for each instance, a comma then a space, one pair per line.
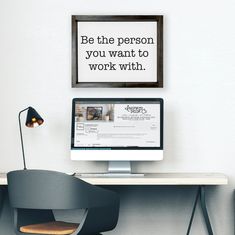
33, 119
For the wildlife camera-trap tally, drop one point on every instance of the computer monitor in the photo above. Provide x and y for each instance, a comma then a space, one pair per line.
118, 130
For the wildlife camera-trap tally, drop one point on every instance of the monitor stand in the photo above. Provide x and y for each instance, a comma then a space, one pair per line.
121, 168
115, 169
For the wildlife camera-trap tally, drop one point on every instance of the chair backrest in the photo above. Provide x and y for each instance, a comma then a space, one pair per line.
41, 189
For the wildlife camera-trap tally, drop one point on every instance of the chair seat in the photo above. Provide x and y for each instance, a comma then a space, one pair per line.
50, 228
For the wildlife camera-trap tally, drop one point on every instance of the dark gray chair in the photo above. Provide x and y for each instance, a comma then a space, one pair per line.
34, 194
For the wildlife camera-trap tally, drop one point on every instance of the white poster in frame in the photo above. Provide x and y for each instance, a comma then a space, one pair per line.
117, 51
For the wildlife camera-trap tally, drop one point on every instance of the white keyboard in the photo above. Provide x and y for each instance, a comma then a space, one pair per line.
108, 175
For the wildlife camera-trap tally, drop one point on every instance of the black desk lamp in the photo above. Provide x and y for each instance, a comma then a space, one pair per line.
33, 120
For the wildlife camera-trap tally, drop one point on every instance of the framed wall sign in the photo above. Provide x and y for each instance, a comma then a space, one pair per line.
117, 51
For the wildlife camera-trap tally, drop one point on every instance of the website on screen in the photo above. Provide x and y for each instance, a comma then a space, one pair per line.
117, 125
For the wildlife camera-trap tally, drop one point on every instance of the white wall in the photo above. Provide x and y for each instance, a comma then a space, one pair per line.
199, 83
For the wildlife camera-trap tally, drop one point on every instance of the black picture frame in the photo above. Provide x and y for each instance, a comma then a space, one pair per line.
118, 18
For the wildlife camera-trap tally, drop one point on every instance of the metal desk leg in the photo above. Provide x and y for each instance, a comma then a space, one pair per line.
201, 195
193, 212
6, 216
1, 200
204, 210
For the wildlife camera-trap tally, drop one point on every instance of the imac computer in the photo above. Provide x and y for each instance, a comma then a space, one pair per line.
117, 130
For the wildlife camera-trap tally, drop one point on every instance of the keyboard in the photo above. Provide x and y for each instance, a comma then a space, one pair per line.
109, 175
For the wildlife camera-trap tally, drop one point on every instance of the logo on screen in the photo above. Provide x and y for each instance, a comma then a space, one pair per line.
135, 109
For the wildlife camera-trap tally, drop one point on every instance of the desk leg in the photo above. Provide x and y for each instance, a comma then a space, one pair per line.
193, 212
201, 195
6, 214
204, 209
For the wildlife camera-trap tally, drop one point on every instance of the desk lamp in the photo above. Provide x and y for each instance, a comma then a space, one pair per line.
33, 119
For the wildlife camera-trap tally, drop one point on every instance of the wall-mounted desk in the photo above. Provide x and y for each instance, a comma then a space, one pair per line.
159, 179
198, 179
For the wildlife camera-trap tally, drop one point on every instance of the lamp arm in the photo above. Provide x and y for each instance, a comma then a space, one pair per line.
21, 136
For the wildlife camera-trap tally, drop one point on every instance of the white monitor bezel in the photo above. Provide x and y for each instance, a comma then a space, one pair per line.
117, 153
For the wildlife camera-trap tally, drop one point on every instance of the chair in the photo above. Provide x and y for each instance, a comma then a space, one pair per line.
34, 194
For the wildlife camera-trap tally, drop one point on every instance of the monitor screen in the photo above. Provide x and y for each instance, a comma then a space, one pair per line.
117, 124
